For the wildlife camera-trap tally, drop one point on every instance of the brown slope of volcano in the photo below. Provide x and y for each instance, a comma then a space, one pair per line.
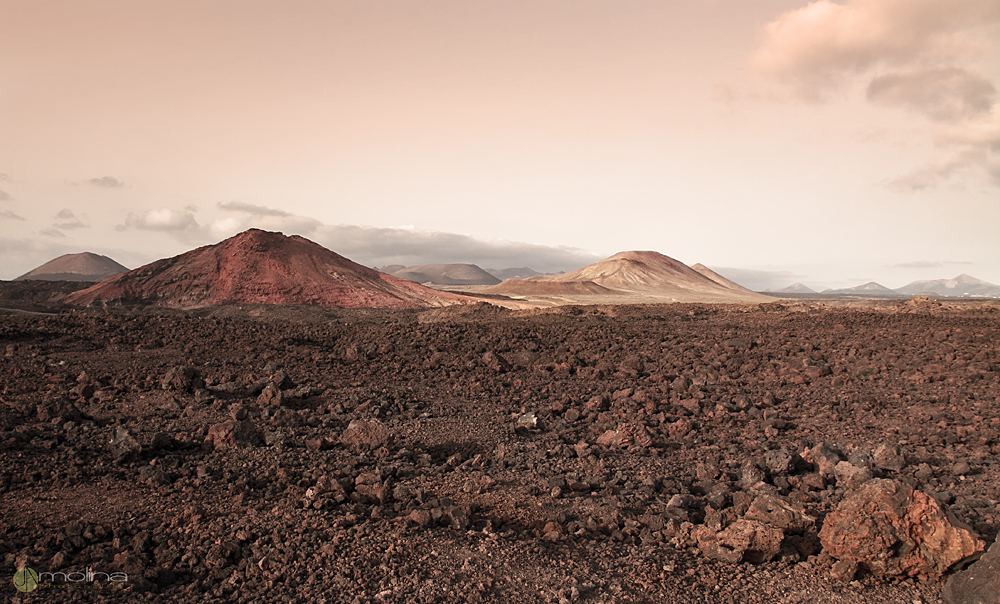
260, 267
643, 275
714, 276
85, 266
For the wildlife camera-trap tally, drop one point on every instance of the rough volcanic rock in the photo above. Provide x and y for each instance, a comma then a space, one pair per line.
888, 457
626, 435
978, 584
362, 435
124, 447
779, 513
850, 476
892, 529
233, 433
260, 267
743, 540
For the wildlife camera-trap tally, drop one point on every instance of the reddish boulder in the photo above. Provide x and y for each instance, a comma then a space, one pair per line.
362, 435
233, 433
743, 540
626, 435
892, 529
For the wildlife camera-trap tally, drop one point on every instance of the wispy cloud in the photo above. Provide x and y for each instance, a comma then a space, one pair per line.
945, 94
4, 195
249, 208
374, 246
54, 233
106, 182
8, 215
66, 219
371, 246
924, 264
918, 48
4, 176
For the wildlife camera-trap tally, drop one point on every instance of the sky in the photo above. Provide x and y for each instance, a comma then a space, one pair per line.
776, 141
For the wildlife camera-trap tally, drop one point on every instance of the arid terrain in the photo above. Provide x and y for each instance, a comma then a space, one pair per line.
472, 453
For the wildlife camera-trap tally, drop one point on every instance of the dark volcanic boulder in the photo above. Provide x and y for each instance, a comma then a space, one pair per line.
978, 584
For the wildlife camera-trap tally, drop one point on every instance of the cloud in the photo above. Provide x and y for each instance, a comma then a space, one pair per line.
374, 246
371, 246
813, 49
106, 182
4, 176
249, 208
923, 264
971, 146
163, 219
55, 233
918, 47
8, 215
5, 196
944, 94
759, 280
66, 219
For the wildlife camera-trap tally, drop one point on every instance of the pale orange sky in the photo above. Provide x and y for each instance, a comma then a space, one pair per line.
829, 143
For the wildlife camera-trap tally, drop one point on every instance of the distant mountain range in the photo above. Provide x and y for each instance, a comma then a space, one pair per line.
869, 289
962, 286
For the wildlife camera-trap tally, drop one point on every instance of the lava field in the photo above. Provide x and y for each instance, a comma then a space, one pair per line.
659, 453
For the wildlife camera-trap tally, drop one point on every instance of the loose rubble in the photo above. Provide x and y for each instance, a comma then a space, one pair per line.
681, 453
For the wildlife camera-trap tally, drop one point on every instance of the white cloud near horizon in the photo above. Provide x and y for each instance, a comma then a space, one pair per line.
914, 55
367, 245
106, 182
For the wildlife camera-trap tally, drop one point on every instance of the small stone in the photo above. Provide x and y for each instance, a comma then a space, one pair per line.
364, 435
961, 469
844, 571
420, 518
528, 421
850, 476
888, 457
124, 447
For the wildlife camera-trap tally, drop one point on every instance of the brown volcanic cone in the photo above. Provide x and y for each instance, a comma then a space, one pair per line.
75, 267
260, 267
644, 275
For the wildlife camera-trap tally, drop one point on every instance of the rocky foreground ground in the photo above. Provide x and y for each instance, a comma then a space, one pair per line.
681, 453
